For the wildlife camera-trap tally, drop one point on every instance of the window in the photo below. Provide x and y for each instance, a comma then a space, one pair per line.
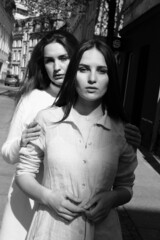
16, 70
34, 42
24, 49
23, 63
14, 43
30, 43
19, 43
18, 55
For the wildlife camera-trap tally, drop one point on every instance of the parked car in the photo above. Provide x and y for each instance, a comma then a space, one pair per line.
11, 80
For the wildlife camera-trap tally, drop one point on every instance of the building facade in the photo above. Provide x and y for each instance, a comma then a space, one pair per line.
6, 26
140, 69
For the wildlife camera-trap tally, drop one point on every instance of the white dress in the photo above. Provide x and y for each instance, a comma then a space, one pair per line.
19, 211
83, 166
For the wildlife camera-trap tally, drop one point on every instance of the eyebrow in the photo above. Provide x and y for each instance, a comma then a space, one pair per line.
62, 55
86, 65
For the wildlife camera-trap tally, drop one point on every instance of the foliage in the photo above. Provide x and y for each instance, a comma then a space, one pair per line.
101, 27
119, 16
53, 12
110, 19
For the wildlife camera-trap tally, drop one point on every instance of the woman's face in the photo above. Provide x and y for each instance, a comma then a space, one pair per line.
56, 62
92, 76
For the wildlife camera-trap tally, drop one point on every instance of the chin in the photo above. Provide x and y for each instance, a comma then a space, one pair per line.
58, 83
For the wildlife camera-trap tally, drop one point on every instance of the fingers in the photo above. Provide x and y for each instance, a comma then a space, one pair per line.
72, 203
132, 135
132, 138
96, 214
33, 128
67, 218
31, 133
91, 209
131, 127
73, 209
92, 203
68, 211
134, 142
73, 198
32, 124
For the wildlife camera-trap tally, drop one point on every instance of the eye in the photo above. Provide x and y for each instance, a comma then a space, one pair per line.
103, 70
48, 60
64, 58
82, 69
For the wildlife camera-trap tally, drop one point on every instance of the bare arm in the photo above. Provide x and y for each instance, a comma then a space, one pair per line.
65, 205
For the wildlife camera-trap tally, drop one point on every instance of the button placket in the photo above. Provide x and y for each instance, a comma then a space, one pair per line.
84, 164
89, 142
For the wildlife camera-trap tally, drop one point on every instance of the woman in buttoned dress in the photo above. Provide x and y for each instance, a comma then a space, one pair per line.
88, 165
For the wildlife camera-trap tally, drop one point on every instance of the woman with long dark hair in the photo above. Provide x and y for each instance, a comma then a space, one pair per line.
44, 77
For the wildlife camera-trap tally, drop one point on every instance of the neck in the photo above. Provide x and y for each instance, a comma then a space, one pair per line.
53, 90
90, 108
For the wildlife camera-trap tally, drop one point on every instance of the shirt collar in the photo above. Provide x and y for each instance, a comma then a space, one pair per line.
104, 121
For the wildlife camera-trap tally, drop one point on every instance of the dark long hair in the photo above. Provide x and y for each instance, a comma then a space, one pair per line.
36, 76
111, 99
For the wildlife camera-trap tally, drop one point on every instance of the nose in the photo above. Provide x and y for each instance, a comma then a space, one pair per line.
92, 77
56, 66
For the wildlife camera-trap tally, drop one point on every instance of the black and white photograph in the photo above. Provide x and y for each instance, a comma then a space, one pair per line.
79, 120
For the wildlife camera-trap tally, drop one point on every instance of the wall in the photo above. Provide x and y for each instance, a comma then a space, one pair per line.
141, 79
133, 9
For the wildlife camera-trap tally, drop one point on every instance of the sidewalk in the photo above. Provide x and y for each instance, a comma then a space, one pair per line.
140, 218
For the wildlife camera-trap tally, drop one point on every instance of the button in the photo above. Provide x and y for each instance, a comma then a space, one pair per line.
83, 184
85, 161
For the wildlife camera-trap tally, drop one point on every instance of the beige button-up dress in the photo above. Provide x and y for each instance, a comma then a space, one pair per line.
104, 161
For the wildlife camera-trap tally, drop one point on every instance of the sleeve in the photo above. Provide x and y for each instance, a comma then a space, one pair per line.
30, 157
10, 148
127, 164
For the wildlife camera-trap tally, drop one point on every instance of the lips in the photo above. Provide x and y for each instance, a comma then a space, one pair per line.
91, 89
58, 76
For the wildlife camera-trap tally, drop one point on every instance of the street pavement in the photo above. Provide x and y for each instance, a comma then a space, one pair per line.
6, 170
140, 218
